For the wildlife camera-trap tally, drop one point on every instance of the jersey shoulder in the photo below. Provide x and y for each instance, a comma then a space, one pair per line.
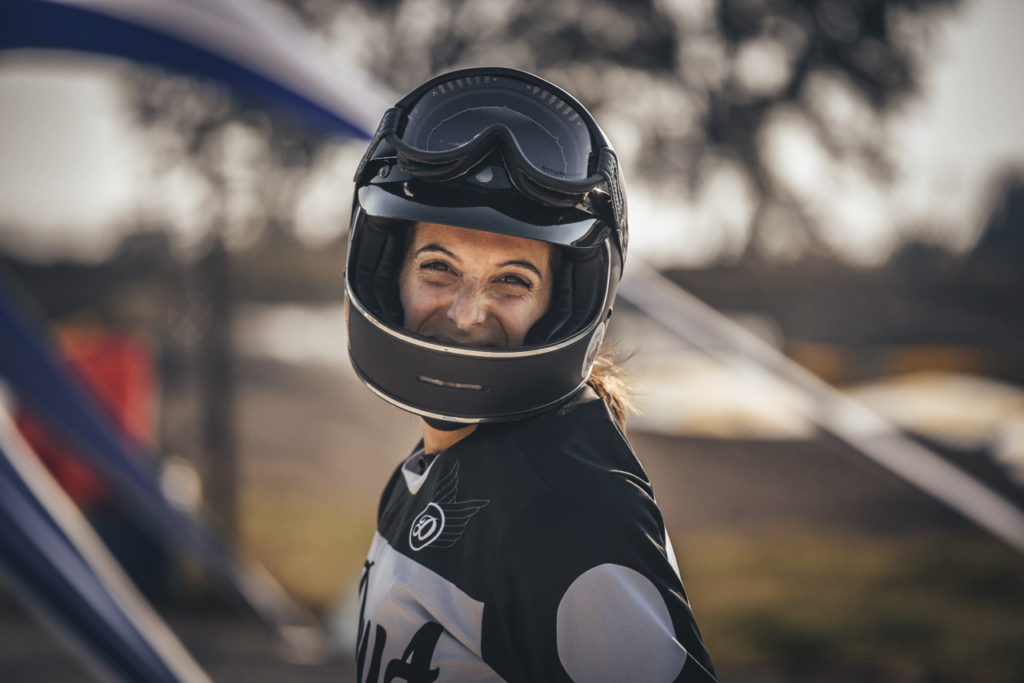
581, 440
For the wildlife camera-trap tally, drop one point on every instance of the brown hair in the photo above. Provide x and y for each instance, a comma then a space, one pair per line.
608, 379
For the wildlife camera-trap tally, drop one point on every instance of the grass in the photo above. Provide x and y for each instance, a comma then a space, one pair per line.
314, 545
820, 605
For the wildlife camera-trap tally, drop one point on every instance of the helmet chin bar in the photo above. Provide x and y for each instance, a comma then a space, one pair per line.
463, 385
442, 425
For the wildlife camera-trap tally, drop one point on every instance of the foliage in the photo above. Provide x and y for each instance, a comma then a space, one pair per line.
691, 92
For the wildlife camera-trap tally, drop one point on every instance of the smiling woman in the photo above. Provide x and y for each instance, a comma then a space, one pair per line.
474, 288
520, 540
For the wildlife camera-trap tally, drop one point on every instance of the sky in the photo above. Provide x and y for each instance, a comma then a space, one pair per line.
72, 171
970, 124
68, 172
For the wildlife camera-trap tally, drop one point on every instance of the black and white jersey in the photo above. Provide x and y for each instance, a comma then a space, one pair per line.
529, 551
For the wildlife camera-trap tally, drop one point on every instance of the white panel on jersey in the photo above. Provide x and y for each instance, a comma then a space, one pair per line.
614, 626
403, 595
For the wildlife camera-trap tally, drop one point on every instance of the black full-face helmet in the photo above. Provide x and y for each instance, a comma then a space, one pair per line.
503, 151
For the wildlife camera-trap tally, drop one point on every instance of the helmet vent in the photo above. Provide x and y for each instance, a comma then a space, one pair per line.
451, 385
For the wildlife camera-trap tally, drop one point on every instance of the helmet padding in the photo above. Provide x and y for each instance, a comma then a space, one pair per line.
377, 267
381, 251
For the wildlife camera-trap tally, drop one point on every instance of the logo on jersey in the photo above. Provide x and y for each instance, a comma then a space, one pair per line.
427, 527
444, 520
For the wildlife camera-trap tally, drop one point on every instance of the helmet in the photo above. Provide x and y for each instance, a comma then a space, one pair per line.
503, 151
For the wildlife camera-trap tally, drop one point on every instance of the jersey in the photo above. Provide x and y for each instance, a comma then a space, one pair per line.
528, 551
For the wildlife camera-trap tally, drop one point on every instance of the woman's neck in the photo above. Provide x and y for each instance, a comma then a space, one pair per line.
437, 440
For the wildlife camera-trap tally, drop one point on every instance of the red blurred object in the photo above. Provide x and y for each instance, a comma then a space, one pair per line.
117, 368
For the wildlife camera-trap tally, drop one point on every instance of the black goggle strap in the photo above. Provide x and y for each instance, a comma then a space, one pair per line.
605, 186
608, 166
453, 163
438, 166
544, 193
388, 125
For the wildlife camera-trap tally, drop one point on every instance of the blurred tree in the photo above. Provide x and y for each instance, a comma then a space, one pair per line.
240, 167
1003, 234
997, 255
696, 95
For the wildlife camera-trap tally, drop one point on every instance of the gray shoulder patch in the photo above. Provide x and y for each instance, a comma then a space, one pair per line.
614, 626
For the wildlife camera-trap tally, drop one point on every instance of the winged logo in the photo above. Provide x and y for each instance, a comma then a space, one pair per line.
444, 520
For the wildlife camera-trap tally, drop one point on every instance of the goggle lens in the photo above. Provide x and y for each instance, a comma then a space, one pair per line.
457, 116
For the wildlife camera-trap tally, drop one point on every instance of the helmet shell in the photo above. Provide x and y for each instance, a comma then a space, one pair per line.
470, 385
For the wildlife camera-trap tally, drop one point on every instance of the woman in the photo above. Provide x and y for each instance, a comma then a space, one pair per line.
520, 540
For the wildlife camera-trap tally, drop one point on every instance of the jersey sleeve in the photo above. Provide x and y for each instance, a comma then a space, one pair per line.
586, 591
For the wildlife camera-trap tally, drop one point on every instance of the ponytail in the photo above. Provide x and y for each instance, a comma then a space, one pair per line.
609, 381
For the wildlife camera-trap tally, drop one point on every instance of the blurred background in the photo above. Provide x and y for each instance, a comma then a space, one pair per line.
843, 180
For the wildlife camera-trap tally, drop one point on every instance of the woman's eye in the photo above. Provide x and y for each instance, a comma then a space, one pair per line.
438, 266
515, 280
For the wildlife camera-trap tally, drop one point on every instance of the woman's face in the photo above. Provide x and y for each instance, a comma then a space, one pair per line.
474, 288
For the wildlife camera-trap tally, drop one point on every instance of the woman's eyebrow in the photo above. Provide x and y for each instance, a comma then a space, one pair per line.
523, 264
433, 246
437, 247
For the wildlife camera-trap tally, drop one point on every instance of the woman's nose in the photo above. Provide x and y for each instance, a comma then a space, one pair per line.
468, 307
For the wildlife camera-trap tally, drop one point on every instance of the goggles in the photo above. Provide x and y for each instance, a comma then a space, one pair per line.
552, 148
